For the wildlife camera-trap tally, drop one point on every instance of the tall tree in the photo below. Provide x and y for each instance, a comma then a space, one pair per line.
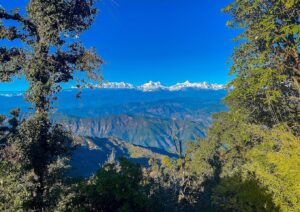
267, 63
50, 54
255, 144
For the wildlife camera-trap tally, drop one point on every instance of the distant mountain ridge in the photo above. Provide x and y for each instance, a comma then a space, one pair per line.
137, 130
146, 87
154, 86
147, 119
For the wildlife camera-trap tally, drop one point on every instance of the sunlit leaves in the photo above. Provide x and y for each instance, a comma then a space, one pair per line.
266, 64
258, 139
289, 3
276, 164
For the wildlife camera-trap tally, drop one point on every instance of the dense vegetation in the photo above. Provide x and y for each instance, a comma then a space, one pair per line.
249, 161
256, 144
49, 55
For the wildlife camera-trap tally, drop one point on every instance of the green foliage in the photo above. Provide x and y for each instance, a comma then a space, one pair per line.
113, 188
177, 186
201, 154
254, 152
248, 162
276, 164
8, 126
50, 54
32, 174
43, 159
48, 25
13, 190
237, 194
266, 64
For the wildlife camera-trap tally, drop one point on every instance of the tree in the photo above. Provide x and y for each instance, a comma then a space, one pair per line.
276, 164
254, 146
113, 188
266, 92
13, 191
50, 55
237, 194
9, 128
266, 64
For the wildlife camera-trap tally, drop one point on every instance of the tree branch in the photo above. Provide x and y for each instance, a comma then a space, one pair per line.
17, 17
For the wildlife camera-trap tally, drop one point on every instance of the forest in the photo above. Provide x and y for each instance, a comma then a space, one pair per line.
249, 160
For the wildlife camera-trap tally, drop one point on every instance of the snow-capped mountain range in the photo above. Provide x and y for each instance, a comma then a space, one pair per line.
155, 86
10, 94
147, 87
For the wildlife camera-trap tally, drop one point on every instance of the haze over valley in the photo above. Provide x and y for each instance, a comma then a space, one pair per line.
149, 117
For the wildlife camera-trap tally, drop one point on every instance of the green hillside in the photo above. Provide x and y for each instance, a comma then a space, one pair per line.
93, 153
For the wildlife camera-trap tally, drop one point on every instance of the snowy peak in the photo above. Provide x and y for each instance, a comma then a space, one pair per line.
155, 86
198, 85
117, 85
11, 94
151, 86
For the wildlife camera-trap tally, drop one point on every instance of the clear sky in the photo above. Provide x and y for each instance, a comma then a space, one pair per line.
160, 40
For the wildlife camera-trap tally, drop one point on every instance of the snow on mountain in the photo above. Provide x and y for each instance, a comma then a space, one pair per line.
151, 86
12, 94
119, 85
154, 86
199, 85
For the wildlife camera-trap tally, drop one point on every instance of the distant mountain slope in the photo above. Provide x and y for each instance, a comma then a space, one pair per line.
101, 101
138, 130
92, 153
137, 117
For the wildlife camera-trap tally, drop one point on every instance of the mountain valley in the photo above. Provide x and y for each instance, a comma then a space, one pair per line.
152, 120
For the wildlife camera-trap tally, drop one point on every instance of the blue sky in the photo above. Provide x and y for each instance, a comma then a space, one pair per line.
160, 40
